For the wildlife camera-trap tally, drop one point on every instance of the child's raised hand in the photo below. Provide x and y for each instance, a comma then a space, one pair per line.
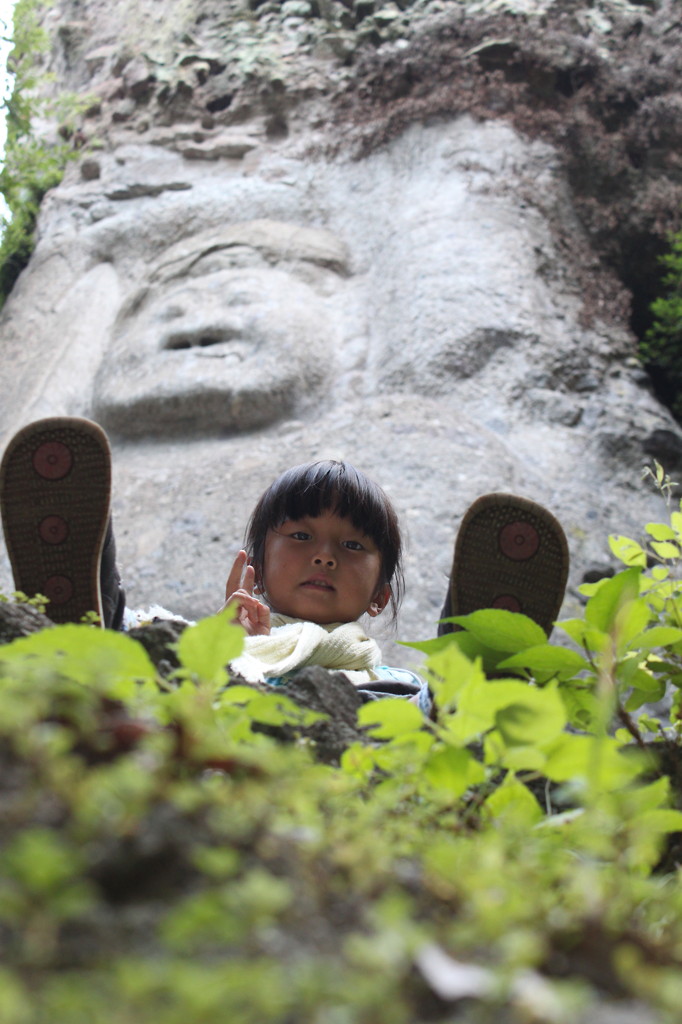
252, 614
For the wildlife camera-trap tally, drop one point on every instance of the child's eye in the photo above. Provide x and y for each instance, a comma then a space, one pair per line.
300, 535
354, 545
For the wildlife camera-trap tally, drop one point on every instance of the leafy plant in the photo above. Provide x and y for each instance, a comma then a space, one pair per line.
661, 346
164, 857
32, 164
38, 601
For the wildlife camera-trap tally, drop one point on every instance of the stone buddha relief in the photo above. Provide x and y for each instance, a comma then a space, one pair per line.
229, 333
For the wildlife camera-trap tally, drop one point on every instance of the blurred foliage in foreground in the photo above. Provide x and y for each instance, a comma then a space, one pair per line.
164, 858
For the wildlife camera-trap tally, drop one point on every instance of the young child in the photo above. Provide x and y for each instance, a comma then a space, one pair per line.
323, 549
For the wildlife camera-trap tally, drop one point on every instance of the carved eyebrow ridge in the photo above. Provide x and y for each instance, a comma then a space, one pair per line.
275, 241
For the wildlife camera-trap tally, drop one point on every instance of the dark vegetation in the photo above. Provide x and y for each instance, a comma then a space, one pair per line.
662, 343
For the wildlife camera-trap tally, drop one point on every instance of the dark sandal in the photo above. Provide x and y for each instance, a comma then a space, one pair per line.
55, 492
510, 553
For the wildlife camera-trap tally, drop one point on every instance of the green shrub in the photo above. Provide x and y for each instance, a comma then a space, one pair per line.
32, 165
661, 347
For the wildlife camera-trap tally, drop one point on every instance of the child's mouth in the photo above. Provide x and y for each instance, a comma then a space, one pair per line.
318, 584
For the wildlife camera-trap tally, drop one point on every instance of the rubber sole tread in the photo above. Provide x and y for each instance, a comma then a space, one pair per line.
510, 553
55, 494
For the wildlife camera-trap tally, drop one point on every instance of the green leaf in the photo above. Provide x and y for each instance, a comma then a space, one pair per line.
520, 711
101, 658
391, 717
657, 636
460, 640
602, 609
589, 589
433, 646
596, 760
475, 651
569, 758
584, 635
207, 648
645, 723
518, 759
646, 689
238, 693
278, 709
448, 671
40, 860
649, 797
628, 551
582, 706
631, 619
358, 760
217, 862
533, 716
16, 1004
648, 683
514, 803
664, 549
502, 630
450, 771
274, 708
546, 660
660, 821
660, 531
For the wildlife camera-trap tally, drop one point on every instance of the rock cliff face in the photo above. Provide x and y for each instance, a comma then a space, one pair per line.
414, 236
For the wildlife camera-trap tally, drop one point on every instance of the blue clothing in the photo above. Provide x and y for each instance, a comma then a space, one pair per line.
398, 682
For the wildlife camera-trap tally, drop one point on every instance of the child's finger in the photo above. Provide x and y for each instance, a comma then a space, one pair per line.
249, 579
234, 580
246, 601
264, 618
251, 613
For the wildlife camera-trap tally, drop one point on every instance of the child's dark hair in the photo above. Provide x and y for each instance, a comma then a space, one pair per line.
329, 486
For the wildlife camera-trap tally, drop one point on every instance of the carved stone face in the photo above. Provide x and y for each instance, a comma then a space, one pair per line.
230, 332
190, 298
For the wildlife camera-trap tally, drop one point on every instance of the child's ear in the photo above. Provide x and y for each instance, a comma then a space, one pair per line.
379, 601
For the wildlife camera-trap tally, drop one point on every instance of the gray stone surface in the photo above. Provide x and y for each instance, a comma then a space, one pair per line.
229, 308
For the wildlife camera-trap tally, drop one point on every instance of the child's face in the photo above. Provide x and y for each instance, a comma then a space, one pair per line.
323, 569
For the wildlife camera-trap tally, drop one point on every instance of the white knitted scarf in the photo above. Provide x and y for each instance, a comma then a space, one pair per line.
294, 643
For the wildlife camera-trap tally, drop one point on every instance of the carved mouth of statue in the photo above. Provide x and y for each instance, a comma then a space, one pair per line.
219, 343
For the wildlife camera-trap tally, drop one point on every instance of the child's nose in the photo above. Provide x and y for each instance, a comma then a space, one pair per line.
325, 558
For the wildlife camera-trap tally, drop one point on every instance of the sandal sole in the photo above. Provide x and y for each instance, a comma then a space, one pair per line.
55, 491
510, 553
